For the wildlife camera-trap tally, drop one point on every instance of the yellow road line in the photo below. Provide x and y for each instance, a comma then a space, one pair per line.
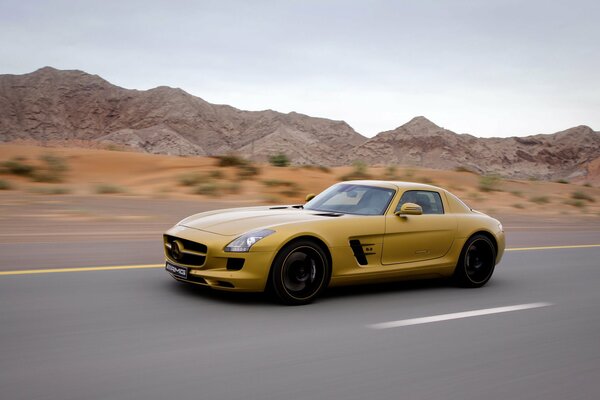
82, 269
575, 246
149, 266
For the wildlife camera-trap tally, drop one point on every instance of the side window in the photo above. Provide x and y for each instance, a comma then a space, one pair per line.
430, 202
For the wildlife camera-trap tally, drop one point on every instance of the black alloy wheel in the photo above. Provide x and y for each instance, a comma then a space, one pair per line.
476, 263
299, 273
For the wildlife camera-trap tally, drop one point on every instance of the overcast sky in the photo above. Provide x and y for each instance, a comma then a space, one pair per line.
485, 67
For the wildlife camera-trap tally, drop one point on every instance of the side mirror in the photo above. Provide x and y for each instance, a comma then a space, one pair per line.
410, 209
309, 197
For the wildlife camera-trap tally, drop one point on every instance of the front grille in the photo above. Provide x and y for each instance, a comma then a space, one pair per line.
184, 251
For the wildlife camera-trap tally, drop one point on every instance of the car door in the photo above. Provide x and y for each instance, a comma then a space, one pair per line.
413, 238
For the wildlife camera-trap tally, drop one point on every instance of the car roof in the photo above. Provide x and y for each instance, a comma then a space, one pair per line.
395, 185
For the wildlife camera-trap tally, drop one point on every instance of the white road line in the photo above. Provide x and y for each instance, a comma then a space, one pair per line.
458, 315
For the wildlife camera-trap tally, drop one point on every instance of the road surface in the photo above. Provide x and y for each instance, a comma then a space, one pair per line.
532, 333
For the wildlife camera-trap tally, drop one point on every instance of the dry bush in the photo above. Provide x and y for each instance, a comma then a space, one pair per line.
106, 188
51, 190
190, 179
216, 174
248, 171
391, 172
540, 200
18, 166
321, 168
231, 160
575, 203
277, 182
207, 189
279, 160
233, 187
360, 171
4, 185
53, 169
580, 195
489, 183
462, 168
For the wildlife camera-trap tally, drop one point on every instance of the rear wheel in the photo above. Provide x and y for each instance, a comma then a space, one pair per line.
476, 263
299, 273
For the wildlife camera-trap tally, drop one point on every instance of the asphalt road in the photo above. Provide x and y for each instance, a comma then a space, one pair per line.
138, 334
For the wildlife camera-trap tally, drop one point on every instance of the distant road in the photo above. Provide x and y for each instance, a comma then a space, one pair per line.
99, 231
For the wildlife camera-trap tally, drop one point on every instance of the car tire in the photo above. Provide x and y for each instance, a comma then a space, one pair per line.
300, 272
476, 263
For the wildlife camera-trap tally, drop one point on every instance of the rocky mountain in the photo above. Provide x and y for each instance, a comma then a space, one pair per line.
51, 105
568, 154
55, 105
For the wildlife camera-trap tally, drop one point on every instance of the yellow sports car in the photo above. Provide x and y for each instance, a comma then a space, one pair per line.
353, 232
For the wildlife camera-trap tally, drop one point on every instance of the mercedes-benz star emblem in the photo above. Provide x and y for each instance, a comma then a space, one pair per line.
176, 251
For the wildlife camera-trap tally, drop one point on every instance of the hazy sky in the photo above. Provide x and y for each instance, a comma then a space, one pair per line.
489, 68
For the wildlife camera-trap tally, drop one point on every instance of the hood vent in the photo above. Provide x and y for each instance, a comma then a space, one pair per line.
329, 214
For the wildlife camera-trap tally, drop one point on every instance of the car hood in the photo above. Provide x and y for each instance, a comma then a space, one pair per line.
240, 220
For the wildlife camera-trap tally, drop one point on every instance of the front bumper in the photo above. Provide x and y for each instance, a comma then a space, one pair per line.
252, 277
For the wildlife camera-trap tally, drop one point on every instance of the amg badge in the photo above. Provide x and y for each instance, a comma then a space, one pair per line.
181, 272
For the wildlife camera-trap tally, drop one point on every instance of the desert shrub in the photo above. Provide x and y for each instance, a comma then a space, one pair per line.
518, 205
563, 181
18, 166
190, 179
51, 190
517, 193
587, 184
52, 170
489, 183
321, 168
426, 180
271, 199
391, 172
105, 188
575, 203
4, 185
233, 187
540, 200
248, 171
462, 168
277, 182
292, 191
279, 160
207, 189
359, 171
475, 196
231, 160
215, 174
580, 195
112, 147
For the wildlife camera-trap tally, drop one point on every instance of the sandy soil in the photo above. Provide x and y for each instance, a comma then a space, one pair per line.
91, 172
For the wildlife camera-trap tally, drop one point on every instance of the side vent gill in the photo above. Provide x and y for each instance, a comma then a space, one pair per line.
358, 251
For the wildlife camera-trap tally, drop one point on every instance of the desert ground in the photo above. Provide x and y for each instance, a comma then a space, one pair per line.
59, 174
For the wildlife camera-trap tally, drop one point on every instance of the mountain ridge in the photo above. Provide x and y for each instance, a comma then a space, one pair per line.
72, 105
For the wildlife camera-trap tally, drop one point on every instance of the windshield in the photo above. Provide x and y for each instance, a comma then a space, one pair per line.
352, 199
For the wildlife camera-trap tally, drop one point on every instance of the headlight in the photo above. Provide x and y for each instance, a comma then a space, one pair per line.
500, 227
243, 243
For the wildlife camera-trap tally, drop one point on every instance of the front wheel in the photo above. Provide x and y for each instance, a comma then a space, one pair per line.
476, 263
299, 273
